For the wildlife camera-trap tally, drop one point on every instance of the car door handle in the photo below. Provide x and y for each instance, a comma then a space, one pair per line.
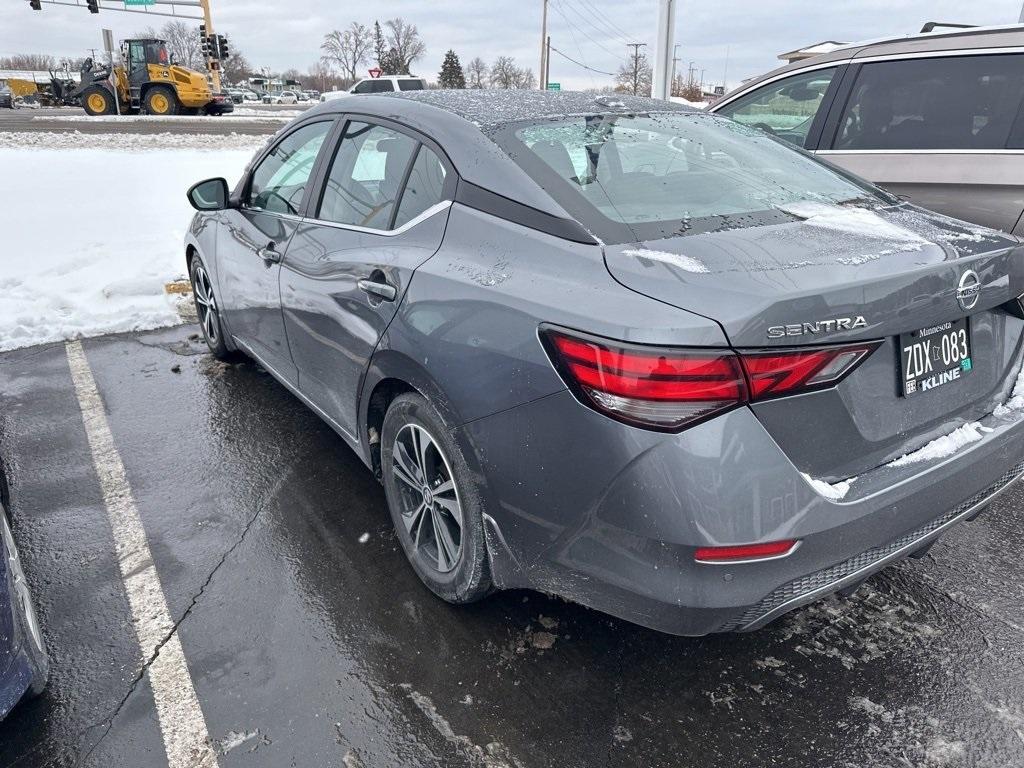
269, 254
378, 288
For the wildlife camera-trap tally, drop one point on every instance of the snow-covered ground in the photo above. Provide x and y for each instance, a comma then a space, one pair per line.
95, 233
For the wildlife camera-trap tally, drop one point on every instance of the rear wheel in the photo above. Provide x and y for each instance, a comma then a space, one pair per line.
206, 309
161, 100
25, 614
434, 502
97, 100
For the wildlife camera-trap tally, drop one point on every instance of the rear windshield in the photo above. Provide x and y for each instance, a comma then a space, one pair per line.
642, 177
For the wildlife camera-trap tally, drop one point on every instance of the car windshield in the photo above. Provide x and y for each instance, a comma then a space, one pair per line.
657, 175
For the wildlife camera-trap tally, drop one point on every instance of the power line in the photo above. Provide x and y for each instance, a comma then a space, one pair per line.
580, 64
581, 31
592, 18
574, 41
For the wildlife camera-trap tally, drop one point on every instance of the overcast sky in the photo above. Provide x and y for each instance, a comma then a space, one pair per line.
748, 33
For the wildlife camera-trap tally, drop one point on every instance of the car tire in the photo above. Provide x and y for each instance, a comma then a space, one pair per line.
429, 520
208, 310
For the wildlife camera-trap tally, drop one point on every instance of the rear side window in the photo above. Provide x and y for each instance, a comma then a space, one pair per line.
956, 102
785, 108
410, 85
424, 189
374, 86
280, 180
366, 176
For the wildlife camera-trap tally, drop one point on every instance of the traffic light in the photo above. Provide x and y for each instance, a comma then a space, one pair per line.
222, 47
94, 5
35, 5
204, 43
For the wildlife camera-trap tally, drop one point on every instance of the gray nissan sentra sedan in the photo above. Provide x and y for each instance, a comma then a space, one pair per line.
638, 356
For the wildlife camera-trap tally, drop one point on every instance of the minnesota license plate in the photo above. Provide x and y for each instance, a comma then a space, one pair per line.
935, 357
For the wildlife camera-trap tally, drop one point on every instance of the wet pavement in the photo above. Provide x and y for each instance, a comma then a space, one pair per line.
310, 644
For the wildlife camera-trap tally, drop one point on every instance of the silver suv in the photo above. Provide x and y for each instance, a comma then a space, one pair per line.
936, 118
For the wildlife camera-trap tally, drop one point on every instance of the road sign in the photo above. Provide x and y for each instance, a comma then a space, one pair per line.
139, 2
554, 86
375, 72
108, 41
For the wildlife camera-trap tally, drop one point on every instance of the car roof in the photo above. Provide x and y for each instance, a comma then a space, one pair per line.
941, 40
460, 121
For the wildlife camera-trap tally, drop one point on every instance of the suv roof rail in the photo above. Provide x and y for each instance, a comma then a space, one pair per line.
932, 25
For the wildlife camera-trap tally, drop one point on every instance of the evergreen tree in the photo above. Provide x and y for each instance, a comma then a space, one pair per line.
378, 44
451, 72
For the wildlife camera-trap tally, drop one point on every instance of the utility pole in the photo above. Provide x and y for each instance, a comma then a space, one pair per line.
636, 64
547, 64
212, 64
545, 42
725, 76
675, 61
663, 48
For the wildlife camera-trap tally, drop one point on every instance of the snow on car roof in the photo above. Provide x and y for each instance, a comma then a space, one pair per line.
498, 106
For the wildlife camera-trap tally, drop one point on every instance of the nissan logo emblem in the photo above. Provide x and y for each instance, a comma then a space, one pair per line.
969, 289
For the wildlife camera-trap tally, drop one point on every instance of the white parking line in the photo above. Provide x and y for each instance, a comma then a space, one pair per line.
186, 739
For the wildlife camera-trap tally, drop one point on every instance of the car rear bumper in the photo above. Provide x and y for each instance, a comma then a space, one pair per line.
611, 516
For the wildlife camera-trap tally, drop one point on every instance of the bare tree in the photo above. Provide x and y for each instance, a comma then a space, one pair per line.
504, 72
477, 73
635, 75
33, 62
525, 79
183, 41
236, 68
348, 49
406, 45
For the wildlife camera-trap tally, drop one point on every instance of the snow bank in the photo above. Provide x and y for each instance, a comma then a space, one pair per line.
1016, 401
251, 116
134, 142
686, 263
93, 235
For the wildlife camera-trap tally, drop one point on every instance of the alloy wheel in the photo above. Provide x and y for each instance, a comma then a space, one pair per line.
21, 592
429, 501
206, 304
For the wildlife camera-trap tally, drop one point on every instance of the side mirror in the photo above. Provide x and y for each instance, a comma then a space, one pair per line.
209, 195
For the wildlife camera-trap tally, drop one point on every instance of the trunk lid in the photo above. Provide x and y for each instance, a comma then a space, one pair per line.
832, 274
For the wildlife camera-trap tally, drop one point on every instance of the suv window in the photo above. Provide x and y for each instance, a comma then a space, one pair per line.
366, 176
410, 85
279, 181
956, 102
374, 86
785, 108
424, 188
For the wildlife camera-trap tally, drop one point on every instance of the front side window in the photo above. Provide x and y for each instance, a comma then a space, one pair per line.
785, 108
366, 176
279, 181
650, 176
954, 102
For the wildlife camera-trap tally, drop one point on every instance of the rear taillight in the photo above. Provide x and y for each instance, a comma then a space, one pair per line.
670, 388
785, 372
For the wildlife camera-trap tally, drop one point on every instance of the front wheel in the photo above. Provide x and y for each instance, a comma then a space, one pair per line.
434, 502
207, 310
97, 101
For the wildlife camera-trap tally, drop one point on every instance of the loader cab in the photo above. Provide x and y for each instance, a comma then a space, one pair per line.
139, 55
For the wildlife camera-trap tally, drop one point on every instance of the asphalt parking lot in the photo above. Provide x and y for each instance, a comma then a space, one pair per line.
310, 642
257, 119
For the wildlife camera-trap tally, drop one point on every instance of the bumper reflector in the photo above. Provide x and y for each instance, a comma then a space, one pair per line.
745, 552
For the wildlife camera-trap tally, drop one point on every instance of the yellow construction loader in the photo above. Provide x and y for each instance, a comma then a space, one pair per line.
148, 81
